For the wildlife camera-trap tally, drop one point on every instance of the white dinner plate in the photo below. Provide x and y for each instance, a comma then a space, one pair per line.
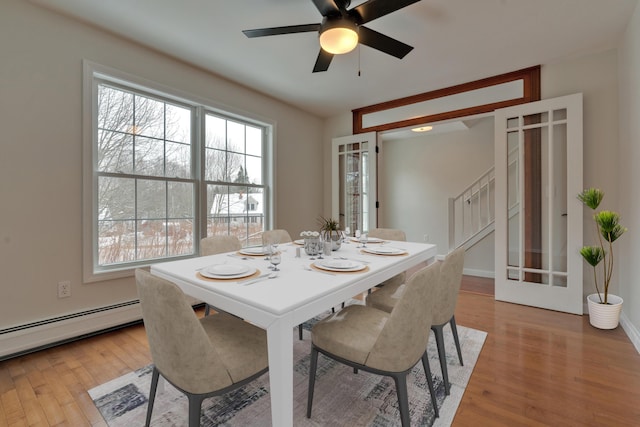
369, 240
253, 250
339, 265
384, 250
299, 242
228, 271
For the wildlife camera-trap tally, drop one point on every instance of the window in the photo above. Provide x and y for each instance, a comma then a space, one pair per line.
164, 170
233, 176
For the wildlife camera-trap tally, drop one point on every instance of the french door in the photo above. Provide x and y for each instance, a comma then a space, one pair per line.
538, 226
353, 181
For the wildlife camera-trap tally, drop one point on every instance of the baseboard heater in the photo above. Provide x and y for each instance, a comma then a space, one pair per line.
30, 337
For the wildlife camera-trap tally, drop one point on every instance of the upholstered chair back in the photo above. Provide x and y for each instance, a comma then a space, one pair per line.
275, 236
180, 347
404, 337
219, 244
447, 294
388, 234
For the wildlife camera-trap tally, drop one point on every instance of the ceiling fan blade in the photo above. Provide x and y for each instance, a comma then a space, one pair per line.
383, 43
374, 9
327, 7
274, 31
323, 61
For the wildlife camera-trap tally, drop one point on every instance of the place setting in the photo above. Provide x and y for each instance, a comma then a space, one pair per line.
228, 272
254, 251
237, 273
333, 265
384, 250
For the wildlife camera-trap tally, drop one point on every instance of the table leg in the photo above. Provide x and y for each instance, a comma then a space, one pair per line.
280, 346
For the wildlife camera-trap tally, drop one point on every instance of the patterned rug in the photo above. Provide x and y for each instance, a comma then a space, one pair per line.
341, 397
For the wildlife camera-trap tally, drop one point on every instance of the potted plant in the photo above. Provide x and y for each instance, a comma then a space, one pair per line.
330, 229
604, 308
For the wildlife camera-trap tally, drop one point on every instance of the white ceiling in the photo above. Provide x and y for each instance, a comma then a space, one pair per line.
455, 41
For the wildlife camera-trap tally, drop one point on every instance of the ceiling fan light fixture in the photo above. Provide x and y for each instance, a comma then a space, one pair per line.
338, 36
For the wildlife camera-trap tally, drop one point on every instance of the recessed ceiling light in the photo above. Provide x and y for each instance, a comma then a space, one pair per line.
422, 129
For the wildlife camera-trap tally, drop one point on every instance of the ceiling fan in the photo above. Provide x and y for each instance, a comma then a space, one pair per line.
341, 29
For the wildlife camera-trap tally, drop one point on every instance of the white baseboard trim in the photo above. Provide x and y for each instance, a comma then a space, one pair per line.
631, 330
22, 339
479, 273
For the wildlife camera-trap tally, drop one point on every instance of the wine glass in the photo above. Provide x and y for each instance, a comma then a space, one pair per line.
268, 251
320, 246
363, 239
346, 235
275, 260
358, 237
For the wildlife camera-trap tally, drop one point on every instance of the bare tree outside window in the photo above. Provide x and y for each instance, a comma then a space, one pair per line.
234, 209
144, 148
147, 185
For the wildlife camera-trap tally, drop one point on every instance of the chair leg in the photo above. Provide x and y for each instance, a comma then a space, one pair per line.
152, 394
300, 332
438, 331
313, 365
427, 373
207, 309
403, 398
454, 330
195, 407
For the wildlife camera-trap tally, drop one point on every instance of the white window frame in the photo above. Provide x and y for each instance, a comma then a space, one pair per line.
92, 272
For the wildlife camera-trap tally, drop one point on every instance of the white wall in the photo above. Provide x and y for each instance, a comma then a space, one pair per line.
628, 249
40, 154
595, 75
418, 175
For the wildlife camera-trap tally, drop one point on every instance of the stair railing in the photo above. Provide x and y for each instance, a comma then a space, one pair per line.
472, 211
472, 214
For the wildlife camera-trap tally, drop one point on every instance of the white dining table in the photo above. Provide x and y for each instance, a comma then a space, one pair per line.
298, 293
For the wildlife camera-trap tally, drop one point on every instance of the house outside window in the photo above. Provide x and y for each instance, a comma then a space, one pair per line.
164, 171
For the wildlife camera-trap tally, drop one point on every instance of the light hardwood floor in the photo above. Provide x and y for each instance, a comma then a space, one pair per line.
536, 368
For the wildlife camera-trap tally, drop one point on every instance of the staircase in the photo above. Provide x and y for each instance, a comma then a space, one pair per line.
471, 213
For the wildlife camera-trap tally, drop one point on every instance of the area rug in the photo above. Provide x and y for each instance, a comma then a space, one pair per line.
341, 397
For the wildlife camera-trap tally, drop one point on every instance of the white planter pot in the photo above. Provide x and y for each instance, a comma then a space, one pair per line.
604, 316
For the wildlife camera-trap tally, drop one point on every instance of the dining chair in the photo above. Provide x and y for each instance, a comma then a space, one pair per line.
218, 244
199, 357
445, 297
390, 234
275, 236
382, 343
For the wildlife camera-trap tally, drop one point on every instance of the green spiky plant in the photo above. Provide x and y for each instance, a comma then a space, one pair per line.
328, 224
608, 230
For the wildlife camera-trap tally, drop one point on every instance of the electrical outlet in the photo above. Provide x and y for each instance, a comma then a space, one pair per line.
64, 289
426, 237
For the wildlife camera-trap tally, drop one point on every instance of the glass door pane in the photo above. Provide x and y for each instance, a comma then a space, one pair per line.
354, 182
538, 217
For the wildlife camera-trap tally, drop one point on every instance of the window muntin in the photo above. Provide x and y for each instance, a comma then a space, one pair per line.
234, 178
147, 151
146, 186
